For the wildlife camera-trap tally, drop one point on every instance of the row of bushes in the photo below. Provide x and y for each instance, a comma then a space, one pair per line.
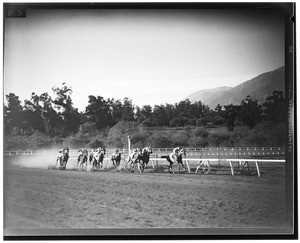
263, 134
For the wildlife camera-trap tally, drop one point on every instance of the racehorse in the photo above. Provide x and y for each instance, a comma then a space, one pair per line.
63, 158
134, 159
116, 158
242, 165
181, 152
82, 157
145, 157
176, 156
96, 158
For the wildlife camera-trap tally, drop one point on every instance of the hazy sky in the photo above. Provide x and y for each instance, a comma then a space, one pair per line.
149, 56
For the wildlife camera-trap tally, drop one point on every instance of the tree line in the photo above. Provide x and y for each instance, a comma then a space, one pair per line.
57, 116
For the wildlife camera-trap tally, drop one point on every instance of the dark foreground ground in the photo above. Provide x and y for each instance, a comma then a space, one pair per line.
40, 198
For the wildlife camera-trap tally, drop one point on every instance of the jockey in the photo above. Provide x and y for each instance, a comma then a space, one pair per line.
115, 154
136, 151
174, 154
60, 154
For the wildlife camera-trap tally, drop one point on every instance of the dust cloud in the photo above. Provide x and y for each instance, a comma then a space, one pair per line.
45, 161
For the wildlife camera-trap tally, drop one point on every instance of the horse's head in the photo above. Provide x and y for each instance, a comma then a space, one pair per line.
66, 150
148, 150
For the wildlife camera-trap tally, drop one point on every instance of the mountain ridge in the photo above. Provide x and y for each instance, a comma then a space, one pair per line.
259, 87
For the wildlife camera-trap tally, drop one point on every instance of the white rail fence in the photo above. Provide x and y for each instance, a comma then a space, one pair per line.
261, 151
187, 161
199, 155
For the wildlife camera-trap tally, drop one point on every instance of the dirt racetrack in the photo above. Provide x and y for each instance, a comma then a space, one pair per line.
40, 198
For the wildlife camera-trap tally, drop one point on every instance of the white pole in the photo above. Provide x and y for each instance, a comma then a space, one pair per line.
188, 166
231, 167
258, 172
128, 145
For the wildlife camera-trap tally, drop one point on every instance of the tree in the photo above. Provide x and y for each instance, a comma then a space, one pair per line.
13, 114
184, 109
160, 116
116, 110
230, 114
250, 112
179, 122
218, 109
70, 116
52, 121
63, 99
118, 134
128, 110
143, 114
33, 113
98, 111
275, 107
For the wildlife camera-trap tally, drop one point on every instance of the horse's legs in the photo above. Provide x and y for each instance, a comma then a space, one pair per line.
129, 162
139, 167
170, 168
143, 166
180, 163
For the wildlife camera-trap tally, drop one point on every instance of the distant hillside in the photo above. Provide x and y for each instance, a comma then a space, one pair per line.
259, 88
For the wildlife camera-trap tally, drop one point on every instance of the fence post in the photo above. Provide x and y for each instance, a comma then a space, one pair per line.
188, 166
232, 171
128, 146
258, 172
152, 164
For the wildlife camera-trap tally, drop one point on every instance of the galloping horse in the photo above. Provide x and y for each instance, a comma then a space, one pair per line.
176, 156
82, 157
134, 159
181, 152
116, 158
145, 157
63, 158
96, 157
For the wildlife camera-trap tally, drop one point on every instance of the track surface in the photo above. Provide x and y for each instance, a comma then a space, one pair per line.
39, 198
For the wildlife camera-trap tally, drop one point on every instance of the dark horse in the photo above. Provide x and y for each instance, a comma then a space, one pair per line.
82, 157
145, 157
116, 158
176, 156
63, 158
97, 157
